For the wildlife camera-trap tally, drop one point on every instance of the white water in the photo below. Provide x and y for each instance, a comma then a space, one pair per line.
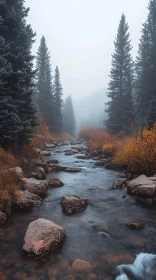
142, 268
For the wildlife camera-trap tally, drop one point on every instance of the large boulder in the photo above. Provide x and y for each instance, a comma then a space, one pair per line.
142, 185
73, 203
3, 218
54, 182
27, 201
43, 236
37, 187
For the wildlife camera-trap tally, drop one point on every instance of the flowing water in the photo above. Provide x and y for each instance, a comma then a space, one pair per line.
97, 235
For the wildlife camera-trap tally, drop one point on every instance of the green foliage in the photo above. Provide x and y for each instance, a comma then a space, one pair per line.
120, 107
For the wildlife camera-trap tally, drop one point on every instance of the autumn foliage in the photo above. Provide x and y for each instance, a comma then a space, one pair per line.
137, 153
9, 183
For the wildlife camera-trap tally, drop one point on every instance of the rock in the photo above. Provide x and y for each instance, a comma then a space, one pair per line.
36, 186
40, 173
75, 151
100, 163
37, 151
51, 161
3, 218
135, 226
81, 265
146, 190
72, 170
27, 201
91, 276
18, 170
43, 236
139, 181
72, 204
42, 163
45, 153
82, 157
153, 178
50, 146
57, 168
120, 183
54, 182
69, 153
79, 148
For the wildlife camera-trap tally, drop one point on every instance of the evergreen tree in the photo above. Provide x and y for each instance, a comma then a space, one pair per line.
44, 84
58, 102
17, 112
146, 71
120, 90
69, 116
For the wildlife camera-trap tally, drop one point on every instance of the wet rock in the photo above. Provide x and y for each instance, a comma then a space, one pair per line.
82, 157
72, 170
120, 183
3, 218
79, 148
50, 146
37, 187
72, 204
81, 265
51, 161
75, 151
100, 163
69, 153
135, 226
146, 190
27, 201
40, 173
135, 242
91, 276
45, 153
43, 236
116, 258
54, 182
57, 168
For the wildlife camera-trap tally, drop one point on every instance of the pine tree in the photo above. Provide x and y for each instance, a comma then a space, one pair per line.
17, 112
146, 71
120, 90
44, 84
69, 116
58, 102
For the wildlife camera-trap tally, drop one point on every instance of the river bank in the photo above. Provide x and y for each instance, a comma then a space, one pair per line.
97, 235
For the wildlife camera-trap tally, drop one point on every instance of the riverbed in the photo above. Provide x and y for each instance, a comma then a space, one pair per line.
97, 235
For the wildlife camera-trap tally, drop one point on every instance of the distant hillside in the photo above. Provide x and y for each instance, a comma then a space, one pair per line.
90, 109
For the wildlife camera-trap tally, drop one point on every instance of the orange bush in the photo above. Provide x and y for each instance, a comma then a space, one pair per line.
139, 152
9, 184
99, 139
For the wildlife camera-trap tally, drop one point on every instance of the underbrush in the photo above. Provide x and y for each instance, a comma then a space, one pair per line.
9, 181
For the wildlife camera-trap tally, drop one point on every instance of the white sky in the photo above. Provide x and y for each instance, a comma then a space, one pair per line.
80, 36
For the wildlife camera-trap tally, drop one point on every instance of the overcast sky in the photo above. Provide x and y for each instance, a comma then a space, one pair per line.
80, 36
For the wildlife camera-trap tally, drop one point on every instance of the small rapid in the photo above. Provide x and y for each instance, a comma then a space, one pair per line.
144, 267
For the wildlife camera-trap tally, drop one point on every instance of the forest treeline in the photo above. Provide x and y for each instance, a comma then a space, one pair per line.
26, 87
132, 86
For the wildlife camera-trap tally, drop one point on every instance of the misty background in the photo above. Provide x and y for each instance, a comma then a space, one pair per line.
80, 35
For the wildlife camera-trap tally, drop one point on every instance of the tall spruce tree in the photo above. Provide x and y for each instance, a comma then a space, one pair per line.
120, 90
146, 71
69, 116
17, 112
44, 84
58, 102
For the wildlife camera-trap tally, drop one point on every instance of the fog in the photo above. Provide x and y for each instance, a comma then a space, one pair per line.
80, 36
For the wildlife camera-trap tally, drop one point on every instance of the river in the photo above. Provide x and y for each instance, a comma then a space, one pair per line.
97, 235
